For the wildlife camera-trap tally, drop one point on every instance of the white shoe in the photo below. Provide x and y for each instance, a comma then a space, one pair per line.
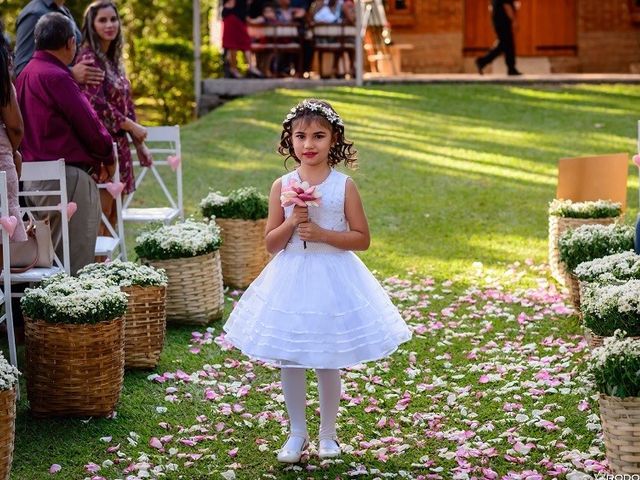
292, 453
329, 448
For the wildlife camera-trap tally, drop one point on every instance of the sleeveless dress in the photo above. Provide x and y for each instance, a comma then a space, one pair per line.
318, 307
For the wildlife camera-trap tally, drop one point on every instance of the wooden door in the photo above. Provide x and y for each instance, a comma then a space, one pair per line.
545, 27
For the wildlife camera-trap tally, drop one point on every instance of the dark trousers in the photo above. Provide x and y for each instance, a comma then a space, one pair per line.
505, 44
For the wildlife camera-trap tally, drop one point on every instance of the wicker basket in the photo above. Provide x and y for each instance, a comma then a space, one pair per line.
74, 369
621, 429
596, 341
144, 325
573, 284
7, 430
194, 293
557, 225
243, 254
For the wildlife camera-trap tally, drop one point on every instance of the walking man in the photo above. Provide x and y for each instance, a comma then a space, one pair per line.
503, 16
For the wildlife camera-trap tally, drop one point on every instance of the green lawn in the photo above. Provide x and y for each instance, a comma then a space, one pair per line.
451, 176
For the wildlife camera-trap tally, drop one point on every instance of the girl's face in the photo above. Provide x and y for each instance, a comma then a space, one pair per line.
312, 141
106, 24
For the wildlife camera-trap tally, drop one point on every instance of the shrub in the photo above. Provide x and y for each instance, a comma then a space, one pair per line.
610, 269
588, 242
181, 240
65, 299
613, 368
126, 274
245, 204
607, 308
597, 209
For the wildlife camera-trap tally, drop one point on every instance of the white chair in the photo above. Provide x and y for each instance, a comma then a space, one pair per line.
5, 299
107, 245
40, 171
163, 142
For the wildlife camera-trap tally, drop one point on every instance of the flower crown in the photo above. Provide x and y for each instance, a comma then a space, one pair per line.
315, 107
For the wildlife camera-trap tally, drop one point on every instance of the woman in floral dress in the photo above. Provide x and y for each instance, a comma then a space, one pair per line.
102, 47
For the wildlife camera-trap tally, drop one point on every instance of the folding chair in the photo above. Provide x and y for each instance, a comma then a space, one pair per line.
164, 144
337, 39
107, 245
40, 171
7, 316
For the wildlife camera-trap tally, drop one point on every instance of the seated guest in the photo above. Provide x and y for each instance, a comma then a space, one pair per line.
285, 13
25, 26
329, 11
60, 123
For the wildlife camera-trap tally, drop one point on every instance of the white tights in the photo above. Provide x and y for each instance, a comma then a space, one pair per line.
294, 387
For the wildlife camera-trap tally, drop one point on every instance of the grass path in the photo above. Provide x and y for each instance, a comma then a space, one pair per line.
455, 180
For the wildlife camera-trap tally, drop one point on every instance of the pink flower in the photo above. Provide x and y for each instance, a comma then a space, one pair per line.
301, 194
55, 468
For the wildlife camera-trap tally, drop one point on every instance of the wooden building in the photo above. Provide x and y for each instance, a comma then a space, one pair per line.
564, 35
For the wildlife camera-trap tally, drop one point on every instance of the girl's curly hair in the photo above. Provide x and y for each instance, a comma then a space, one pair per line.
322, 112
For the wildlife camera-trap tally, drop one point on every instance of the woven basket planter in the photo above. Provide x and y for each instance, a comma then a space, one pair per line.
194, 293
74, 369
621, 429
596, 341
243, 253
7, 430
573, 284
144, 325
557, 225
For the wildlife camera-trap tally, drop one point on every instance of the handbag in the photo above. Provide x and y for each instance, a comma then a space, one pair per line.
37, 251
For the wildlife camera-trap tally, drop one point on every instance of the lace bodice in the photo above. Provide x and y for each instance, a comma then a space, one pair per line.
330, 214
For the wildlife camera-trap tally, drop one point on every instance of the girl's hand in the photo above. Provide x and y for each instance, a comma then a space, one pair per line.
299, 215
310, 232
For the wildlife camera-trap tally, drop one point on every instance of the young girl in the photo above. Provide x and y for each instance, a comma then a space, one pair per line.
315, 305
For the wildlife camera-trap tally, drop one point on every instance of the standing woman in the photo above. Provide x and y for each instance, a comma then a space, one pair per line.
11, 132
235, 38
111, 99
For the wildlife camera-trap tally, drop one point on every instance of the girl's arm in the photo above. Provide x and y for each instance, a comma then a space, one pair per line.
278, 230
357, 238
12, 118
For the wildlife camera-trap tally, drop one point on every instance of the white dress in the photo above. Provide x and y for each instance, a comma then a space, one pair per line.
318, 307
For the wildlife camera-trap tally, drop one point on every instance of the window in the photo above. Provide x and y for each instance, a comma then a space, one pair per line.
401, 12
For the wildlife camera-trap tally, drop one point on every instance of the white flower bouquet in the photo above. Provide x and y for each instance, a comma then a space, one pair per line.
614, 268
8, 374
588, 242
593, 209
126, 274
613, 368
65, 299
607, 308
181, 240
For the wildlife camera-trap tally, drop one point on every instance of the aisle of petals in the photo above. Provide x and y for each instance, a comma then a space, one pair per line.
490, 387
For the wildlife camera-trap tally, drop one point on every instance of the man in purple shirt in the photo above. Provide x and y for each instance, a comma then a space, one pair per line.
60, 123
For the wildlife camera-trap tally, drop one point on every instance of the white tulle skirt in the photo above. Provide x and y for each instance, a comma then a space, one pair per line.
316, 309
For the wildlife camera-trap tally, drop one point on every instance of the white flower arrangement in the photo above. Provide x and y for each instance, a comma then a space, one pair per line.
65, 299
607, 308
589, 209
8, 374
213, 199
588, 242
180, 240
126, 274
610, 269
613, 367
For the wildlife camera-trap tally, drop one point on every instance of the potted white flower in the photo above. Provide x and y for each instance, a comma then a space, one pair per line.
189, 253
145, 320
74, 339
613, 370
8, 381
607, 308
242, 217
565, 215
587, 243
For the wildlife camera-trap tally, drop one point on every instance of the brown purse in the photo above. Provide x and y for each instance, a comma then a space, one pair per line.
37, 251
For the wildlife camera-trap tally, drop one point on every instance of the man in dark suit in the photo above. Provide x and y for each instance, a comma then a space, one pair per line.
504, 22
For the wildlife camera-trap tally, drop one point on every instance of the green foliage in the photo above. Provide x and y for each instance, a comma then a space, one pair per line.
65, 299
593, 241
180, 240
597, 209
164, 70
614, 368
245, 203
